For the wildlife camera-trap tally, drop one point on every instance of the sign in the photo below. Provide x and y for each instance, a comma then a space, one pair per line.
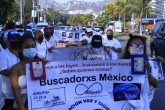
87, 85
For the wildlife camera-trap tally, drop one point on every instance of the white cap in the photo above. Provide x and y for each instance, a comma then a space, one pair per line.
89, 30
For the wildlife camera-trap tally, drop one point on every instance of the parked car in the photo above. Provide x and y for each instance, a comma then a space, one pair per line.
157, 45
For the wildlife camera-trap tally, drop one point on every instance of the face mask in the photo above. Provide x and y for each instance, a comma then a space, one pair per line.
136, 51
110, 36
29, 53
14, 45
40, 39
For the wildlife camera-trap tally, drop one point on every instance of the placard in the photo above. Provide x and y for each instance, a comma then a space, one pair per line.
137, 64
87, 85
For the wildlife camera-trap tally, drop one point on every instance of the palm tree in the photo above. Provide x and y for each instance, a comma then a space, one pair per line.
139, 7
122, 5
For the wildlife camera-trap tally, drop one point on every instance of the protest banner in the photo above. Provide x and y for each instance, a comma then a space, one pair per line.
87, 85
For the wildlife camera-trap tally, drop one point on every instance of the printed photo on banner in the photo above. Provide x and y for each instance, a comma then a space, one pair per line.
126, 91
157, 66
37, 70
137, 64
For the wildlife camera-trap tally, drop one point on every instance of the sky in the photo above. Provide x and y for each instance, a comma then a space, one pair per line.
64, 1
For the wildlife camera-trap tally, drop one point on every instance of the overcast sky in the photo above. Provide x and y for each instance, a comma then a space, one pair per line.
64, 1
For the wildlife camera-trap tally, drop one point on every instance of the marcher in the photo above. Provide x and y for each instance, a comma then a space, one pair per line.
43, 47
10, 26
115, 46
49, 38
137, 45
8, 58
97, 51
88, 36
18, 72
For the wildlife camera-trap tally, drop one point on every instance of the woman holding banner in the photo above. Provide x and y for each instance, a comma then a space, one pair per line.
97, 51
136, 45
18, 76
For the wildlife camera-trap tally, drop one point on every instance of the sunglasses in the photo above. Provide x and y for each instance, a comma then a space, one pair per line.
140, 46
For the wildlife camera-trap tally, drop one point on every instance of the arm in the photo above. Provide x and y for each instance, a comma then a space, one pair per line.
161, 59
5, 72
16, 89
119, 50
3, 65
152, 80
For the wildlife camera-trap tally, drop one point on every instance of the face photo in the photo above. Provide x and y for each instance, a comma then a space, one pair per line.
76, 35
37, 69
70, 35
156, 65
138, 64
64, 34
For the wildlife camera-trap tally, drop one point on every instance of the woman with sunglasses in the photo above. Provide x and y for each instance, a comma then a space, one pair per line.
136, 45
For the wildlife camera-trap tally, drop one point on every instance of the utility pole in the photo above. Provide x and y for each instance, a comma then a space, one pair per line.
21, 11
33, 12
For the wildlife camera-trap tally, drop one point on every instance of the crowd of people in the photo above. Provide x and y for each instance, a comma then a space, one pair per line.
21, 49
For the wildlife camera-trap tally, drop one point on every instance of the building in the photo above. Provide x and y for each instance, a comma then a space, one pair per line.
159, 7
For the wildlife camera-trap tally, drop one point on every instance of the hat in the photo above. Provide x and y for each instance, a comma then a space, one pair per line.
13, 34
89, 30
96, 41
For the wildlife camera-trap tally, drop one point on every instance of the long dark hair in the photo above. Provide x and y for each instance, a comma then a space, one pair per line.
134, 37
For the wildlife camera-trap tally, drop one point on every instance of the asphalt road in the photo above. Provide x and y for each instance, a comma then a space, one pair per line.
158, 102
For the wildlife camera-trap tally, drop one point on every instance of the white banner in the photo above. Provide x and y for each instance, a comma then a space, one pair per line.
87, 85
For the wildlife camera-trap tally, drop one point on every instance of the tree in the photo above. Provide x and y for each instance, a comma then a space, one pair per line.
8, 10
102, 20
140, 8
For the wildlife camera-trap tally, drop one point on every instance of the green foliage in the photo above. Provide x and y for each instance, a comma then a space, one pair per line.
8, 10
102, 20
80, 19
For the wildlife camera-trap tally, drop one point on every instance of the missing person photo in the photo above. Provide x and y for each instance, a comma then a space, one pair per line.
138, 64
37, 69
76, 35
157, 67
64, 34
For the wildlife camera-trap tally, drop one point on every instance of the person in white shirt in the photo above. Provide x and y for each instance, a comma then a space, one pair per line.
43, 47
114, 44
8, 58
88, 36
10, 26
49, 38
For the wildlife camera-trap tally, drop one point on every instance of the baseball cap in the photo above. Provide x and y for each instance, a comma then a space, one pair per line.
96, 41
13, 34
89, 30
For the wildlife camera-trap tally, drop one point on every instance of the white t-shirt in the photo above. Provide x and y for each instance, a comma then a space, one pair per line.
97, 54
42, 49
7, 60
52, 42
115, 43
89, 39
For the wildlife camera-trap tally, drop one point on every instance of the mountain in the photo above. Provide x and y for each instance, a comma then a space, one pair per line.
76, 6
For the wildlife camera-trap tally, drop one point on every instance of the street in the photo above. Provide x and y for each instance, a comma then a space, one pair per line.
159, 98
